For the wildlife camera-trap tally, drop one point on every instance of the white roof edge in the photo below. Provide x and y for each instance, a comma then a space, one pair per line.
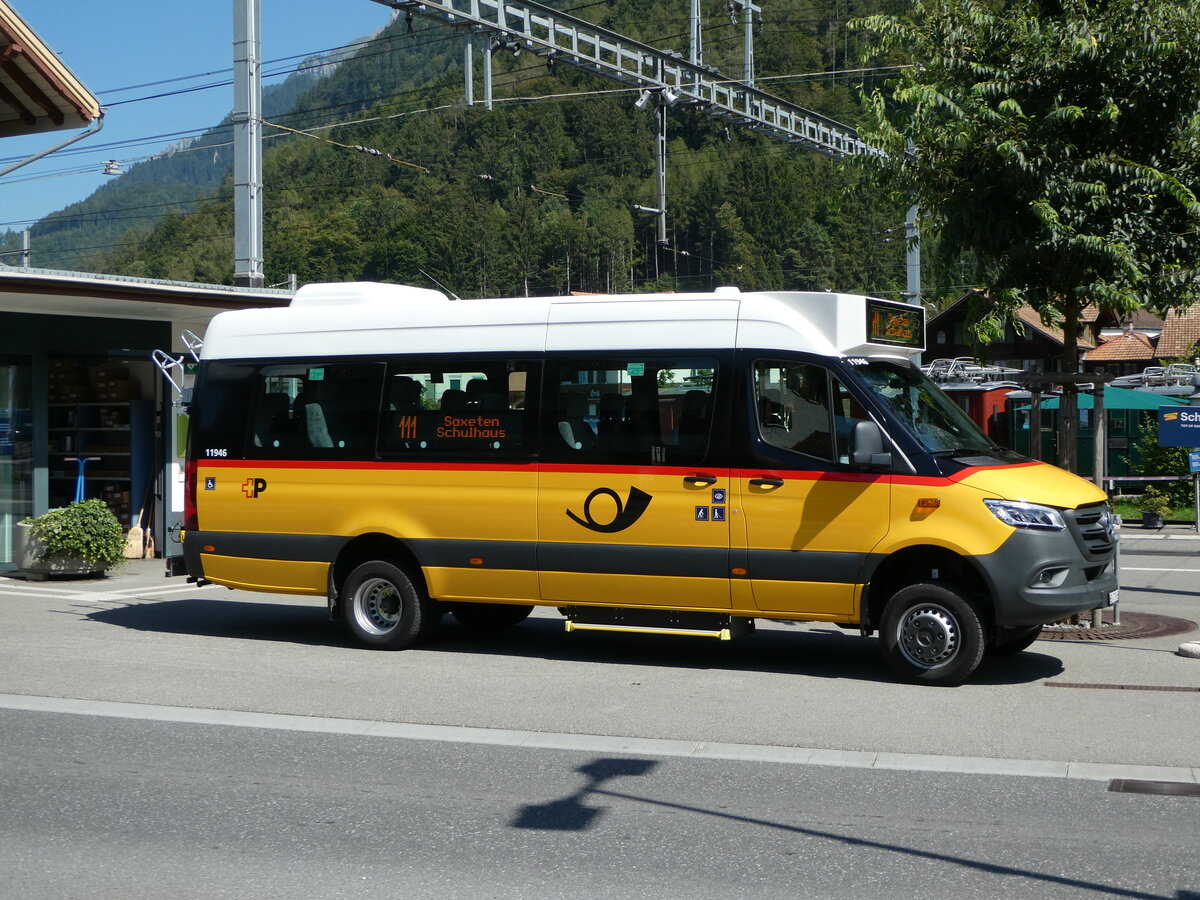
100, 279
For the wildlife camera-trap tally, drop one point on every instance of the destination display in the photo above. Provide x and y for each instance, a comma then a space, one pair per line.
895, 323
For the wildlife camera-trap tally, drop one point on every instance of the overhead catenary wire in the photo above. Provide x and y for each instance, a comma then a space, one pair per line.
390, 39
428, 109
696, 155
371, 151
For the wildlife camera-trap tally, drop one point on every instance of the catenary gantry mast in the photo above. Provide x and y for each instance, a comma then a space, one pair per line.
663, 76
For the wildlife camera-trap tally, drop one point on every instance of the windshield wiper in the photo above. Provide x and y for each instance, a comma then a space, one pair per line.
967, 451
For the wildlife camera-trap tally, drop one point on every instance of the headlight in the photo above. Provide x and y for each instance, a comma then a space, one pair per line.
1026, 515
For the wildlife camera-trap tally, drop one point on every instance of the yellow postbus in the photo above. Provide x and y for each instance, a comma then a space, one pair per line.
678, 463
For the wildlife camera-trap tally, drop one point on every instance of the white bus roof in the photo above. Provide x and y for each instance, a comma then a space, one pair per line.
366, 318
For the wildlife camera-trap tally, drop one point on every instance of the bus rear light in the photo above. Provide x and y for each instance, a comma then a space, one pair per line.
190, 518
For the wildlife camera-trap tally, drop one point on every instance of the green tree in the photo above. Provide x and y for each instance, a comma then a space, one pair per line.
1057, 152
1158, 460
745, 265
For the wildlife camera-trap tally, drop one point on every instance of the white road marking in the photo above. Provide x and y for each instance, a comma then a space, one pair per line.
591, 743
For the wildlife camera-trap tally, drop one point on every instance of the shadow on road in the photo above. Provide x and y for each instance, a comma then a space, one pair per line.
579, 811
826, 653
279, 622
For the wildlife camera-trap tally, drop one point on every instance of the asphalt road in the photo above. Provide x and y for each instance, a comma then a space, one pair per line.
113, 808
233, 745
143, 639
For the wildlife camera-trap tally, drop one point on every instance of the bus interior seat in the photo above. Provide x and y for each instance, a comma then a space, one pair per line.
608, 426
454, 400
694, 420
271, 420
573, 427
476, 390
406, 394
315, 426
641, 426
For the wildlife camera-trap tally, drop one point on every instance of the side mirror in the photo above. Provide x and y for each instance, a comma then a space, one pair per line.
867, 446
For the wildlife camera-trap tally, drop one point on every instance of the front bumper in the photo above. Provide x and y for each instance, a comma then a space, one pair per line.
1037, 577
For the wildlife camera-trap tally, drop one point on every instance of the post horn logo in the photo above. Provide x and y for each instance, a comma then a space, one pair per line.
628, 510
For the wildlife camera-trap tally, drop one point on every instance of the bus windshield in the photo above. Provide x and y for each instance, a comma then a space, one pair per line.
932, 418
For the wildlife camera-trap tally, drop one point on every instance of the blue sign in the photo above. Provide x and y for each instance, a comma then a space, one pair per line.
1178, 426
1194, 461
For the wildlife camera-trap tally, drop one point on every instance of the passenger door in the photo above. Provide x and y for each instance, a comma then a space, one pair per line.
631, 512
808, 519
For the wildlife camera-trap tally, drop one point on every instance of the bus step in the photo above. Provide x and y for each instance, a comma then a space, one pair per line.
636, 621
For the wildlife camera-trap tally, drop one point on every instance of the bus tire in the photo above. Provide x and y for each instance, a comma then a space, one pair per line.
1013, 644
385, 608
931, 635
489, 616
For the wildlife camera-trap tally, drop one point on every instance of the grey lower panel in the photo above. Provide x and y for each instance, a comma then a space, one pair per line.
627, 559
703, 562
250, 545
590, 559
443, 554
825, 566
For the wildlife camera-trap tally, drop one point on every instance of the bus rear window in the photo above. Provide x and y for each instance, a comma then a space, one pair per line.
321, 409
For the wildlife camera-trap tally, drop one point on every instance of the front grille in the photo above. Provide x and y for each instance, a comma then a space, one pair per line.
1092, 527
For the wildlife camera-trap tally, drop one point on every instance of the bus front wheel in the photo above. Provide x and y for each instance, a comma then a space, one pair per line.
385, 608
931, 635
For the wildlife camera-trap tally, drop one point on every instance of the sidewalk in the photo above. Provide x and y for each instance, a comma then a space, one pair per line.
129, 578
1179, 540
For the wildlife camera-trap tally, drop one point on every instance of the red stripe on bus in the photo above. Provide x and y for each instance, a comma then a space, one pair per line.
578, 469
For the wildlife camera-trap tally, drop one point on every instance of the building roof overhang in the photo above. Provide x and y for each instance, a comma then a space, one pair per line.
52, 293
38, 92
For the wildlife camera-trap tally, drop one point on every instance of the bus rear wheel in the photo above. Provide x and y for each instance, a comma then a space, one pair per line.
385, 608
931, 635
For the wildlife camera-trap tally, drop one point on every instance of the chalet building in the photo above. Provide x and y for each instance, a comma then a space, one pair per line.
1107, 343
1038, 350
1176, 339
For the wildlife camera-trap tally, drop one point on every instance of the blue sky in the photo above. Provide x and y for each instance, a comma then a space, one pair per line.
110, 46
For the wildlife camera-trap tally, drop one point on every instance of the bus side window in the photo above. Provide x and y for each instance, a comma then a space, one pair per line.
456, 407
846, 411
325, 409
642, 410
793, 406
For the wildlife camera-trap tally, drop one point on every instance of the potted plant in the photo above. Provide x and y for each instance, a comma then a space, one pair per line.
81, 539
1154, 505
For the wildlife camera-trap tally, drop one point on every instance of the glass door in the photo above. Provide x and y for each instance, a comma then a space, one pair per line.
16, 452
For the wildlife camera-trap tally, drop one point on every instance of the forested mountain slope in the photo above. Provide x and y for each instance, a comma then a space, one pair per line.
536, 195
